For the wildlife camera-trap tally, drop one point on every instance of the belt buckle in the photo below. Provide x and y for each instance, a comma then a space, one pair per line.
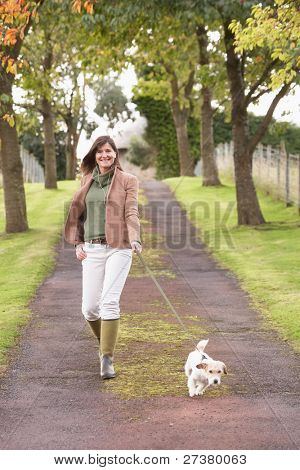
92, 243
100, 241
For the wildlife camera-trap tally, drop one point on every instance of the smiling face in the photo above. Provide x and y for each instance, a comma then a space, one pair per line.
213, 371
105, 157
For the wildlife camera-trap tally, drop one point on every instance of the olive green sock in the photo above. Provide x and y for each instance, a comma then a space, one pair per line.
109, 336
96, 327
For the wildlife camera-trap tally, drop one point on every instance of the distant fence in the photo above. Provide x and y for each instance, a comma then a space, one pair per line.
274, 170
32, 171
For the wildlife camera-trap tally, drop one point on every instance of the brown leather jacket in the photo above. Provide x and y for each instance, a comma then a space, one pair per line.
122, 224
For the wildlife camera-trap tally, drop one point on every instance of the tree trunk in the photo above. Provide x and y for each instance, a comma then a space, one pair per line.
180, 121
249, 212
71, 153
48, 120
210, 175
49, 145
76, 137
12, 167
186, 163
69, 156
248, 208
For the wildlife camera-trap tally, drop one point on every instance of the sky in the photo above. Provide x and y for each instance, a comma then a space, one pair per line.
289, 104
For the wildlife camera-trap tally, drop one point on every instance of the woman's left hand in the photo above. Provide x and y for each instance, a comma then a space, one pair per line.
136, 246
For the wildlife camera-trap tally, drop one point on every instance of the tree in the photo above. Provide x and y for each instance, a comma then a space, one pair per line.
210, 175
154, 34
57, 89
276, 28
249, 75
69, 102
75, 72
31, 138
111, 103
209, 71
16, 19
169, 50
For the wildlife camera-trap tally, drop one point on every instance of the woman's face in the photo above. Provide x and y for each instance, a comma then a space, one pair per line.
105, 157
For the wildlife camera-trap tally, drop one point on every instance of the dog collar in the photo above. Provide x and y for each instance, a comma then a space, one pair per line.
203, 355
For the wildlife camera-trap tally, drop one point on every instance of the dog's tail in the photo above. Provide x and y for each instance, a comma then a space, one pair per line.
202, 344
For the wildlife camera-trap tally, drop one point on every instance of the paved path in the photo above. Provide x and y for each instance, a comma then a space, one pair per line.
51, 398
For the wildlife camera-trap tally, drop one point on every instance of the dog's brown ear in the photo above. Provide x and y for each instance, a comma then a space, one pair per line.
201, 366
225, 369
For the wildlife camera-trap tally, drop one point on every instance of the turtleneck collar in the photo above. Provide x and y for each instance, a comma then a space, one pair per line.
102, 179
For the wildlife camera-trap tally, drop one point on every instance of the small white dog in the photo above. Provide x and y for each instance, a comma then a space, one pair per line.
202, 371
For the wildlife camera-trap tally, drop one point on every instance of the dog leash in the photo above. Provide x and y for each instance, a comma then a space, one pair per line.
164, 295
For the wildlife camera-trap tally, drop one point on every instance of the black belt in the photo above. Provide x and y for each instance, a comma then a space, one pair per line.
98, 240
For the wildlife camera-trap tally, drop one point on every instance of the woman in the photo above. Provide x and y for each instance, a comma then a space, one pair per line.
103, 224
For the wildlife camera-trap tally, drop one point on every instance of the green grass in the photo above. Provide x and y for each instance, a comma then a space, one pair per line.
265, 258
27, 258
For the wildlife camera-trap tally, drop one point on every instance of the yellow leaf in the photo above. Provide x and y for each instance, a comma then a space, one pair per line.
10, 119
11, 67
77, 5
10, 37
88, 7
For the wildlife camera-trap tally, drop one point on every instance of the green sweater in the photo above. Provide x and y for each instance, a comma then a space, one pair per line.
94, 225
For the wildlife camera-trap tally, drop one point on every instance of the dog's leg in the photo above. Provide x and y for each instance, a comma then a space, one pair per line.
206, 386
202, 387
191, 386
187, 369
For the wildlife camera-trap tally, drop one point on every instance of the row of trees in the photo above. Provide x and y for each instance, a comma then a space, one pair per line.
204, 55
193, 44
159, 145
45, 53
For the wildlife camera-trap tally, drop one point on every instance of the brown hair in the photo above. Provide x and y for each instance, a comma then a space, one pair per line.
89, 162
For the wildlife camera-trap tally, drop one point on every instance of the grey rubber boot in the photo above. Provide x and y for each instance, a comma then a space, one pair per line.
107, 370
109, 336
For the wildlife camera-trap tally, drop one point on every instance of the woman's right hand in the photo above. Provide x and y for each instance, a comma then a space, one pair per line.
80, 253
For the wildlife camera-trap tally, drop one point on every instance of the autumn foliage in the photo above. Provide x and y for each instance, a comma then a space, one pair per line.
87, 5
15, 16
15, 19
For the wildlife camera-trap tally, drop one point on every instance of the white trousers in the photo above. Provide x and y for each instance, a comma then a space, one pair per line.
104, 273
